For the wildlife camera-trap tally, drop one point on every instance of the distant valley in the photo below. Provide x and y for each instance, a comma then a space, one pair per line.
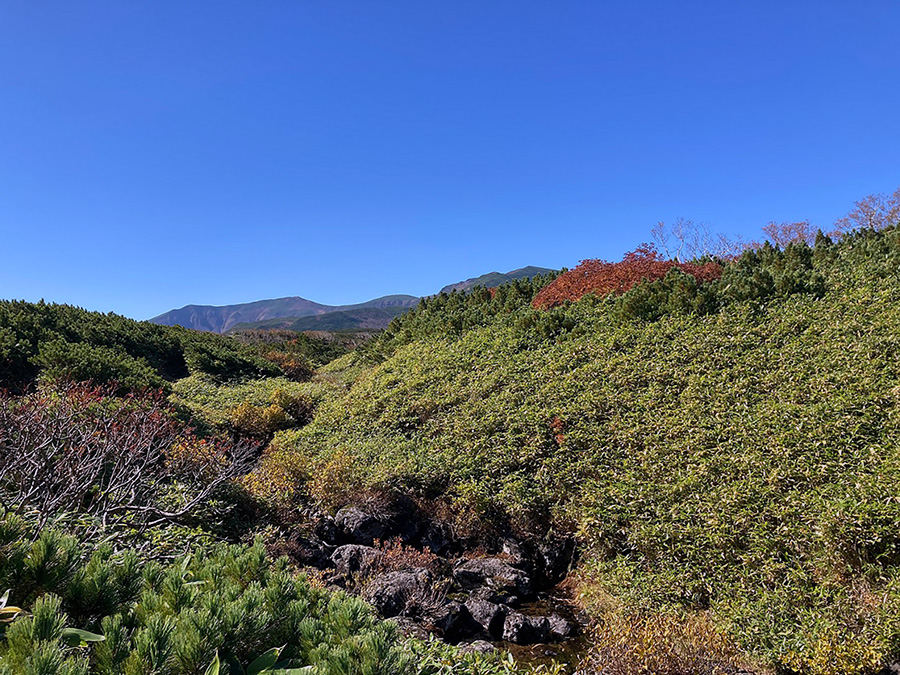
300, 314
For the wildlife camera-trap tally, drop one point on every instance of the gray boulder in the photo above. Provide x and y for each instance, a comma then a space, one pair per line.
489, 615
525, 630
359, 527
399, 593
556, 559
453, 621
436, 537
493, 573
410, 628
478, 647
497, 597
560, 628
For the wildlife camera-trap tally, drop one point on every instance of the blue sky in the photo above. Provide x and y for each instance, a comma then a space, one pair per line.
159, 153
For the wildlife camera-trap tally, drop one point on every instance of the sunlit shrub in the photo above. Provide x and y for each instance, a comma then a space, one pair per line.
602, 278
662, 644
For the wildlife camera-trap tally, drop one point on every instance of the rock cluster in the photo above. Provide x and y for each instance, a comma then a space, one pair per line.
439, 588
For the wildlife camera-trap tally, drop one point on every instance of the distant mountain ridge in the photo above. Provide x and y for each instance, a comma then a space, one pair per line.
496, 278
363, 319
221, 319
300, 314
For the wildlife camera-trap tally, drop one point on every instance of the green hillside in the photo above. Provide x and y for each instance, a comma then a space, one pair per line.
726, 453
723, 448
127, 542
63, 341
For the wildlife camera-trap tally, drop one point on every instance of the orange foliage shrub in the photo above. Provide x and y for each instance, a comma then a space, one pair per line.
294, 366
602, 278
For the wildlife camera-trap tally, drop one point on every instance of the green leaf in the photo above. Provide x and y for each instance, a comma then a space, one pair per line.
213, 667
264, 662
289, 667
75, 637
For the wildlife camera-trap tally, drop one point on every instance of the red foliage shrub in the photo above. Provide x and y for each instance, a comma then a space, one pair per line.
602, 278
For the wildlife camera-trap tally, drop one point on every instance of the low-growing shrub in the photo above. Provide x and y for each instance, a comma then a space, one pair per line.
214, 405
662, 644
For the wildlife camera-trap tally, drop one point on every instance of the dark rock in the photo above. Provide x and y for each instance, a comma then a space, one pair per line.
453, 621
326, 530
489, 615
399, 593
437, 538
308, 552
560, 628
493, 573
497, 597
410, 628
355, 559
520, 555
525, 630
403, 518
359, 527
556, 558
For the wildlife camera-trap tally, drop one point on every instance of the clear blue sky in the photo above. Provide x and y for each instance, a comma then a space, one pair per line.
159, 153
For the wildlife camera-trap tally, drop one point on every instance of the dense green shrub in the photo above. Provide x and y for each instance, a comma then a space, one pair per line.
174, 618
738, 459
215, 404
82, 361
449, 315
64, 341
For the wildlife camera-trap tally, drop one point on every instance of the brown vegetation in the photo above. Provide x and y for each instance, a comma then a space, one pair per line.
662, 644
78, 448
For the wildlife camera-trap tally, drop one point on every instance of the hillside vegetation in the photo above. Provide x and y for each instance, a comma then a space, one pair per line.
60, 341
492, 279
118, 531
725, 449
717, 439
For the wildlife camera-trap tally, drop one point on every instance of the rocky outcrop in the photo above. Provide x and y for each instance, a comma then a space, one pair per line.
358, 527
525, 630
490, 616
418, 583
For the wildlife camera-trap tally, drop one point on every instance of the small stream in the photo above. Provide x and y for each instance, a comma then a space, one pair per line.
568, 652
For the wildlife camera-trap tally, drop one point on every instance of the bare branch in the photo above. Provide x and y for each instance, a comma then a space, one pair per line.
80, 449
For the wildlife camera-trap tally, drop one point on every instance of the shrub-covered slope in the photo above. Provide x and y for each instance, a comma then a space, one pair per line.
729, 448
